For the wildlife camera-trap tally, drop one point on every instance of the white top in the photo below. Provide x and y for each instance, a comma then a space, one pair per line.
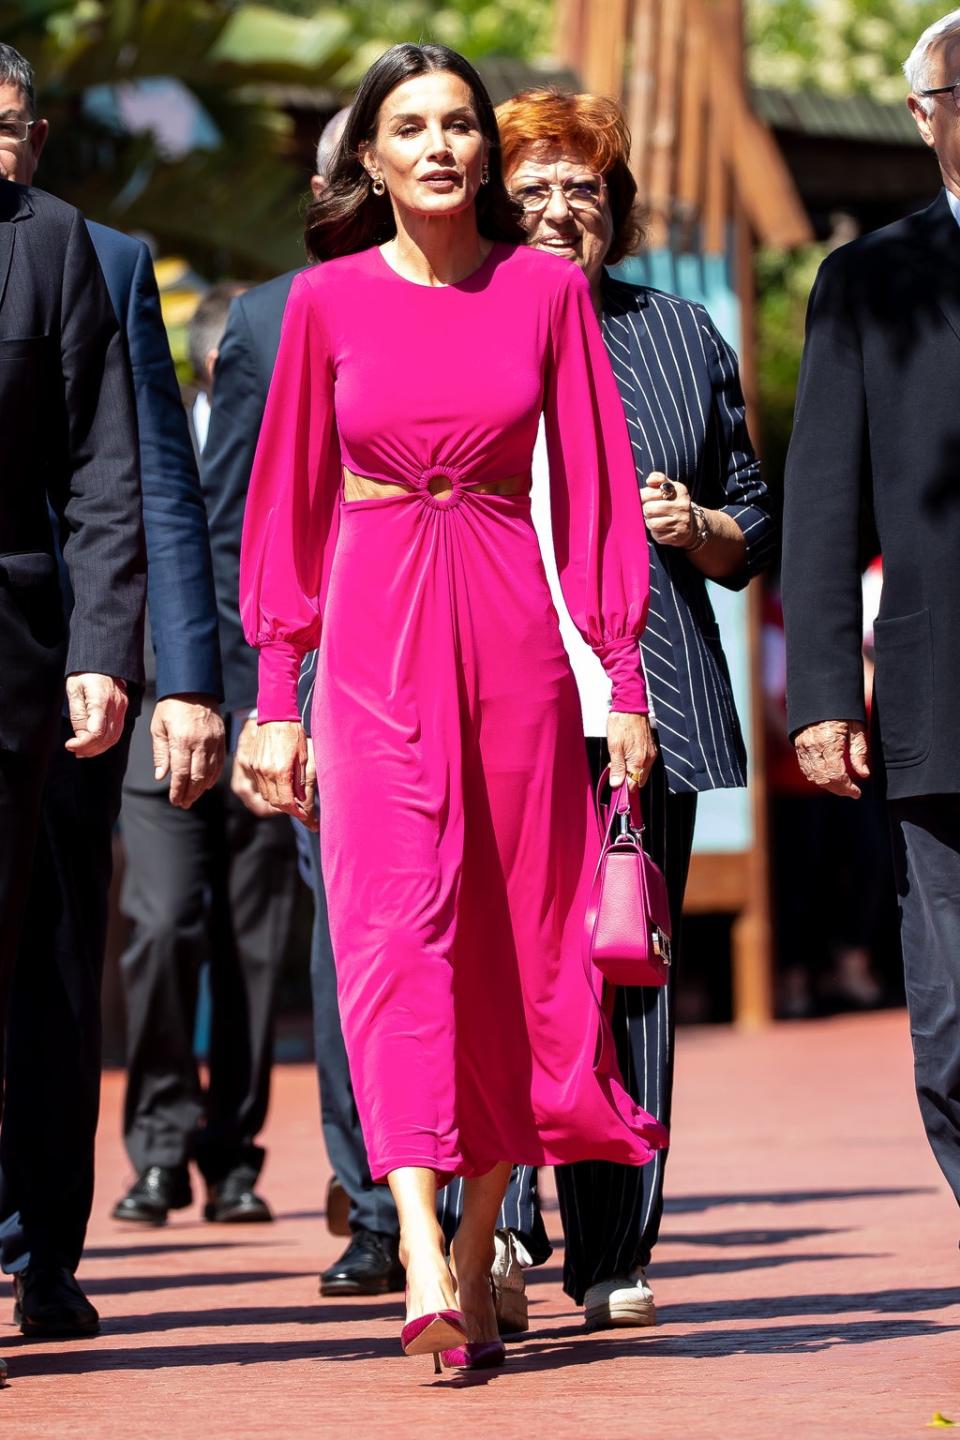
592, 683
201, 419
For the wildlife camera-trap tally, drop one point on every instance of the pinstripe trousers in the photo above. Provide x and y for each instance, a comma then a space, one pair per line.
611, 1213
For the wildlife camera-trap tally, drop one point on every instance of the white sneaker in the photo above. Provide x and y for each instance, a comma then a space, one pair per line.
509, 1287
624, 1300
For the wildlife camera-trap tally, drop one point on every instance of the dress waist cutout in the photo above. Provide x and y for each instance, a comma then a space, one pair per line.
442, 483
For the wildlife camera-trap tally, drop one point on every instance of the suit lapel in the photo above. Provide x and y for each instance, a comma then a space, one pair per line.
622, 329
934, 251
7, 233
14, 205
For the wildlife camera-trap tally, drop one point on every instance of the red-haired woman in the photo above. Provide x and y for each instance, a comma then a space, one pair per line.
566, 161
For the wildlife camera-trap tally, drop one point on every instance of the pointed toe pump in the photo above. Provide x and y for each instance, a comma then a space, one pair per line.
475, 1355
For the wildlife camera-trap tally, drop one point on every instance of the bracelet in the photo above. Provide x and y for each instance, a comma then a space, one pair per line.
703, 530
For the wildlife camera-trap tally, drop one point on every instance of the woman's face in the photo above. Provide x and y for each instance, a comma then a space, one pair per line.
568, 224
428, 148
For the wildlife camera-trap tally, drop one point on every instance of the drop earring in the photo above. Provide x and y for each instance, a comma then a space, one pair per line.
377, 186
484, 175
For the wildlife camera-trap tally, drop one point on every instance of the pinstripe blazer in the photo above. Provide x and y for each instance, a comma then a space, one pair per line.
680, 386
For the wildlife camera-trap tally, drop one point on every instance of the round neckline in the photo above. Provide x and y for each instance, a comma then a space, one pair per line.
456, 285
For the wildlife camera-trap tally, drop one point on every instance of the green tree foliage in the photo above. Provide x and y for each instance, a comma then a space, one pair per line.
229, 204
784, 280
519, 28
839, 46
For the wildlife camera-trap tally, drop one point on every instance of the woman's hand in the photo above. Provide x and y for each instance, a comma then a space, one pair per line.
281, 768
632, 749
670, 521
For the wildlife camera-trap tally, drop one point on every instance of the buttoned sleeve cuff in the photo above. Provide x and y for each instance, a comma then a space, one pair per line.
759, 533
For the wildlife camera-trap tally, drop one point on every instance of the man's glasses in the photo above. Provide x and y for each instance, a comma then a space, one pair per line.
14, 132
581, 192
953, 90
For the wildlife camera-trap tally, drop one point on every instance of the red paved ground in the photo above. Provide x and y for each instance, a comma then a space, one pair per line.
809, 1284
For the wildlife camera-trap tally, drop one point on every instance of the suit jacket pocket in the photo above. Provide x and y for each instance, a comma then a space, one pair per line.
24, 348
27, 569
903, 687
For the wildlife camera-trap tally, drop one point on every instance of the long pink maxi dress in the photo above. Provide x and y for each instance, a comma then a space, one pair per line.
457, 830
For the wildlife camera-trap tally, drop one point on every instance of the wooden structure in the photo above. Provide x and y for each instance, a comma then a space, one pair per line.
715, 184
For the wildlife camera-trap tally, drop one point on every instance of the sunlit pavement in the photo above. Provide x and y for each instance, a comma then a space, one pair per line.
808, 1285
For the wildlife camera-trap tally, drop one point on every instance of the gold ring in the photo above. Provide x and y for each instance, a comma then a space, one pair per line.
636, 776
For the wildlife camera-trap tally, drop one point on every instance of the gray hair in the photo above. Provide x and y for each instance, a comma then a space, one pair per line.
916, 67
207, 324
330, 137
16, 71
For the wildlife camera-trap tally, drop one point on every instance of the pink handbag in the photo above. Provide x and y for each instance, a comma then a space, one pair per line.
627, 923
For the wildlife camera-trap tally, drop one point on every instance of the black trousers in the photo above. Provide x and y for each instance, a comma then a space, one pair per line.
52, 1072
926, 853
210, 883
21, 791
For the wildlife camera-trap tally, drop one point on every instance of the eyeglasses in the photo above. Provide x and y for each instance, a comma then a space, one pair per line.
953, 90
581, 192
14, 132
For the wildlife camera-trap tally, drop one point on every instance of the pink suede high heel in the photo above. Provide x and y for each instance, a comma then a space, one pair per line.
431, 1333
475, 1355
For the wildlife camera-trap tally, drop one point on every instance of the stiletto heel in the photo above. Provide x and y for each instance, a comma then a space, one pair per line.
437, 1367
429, 1334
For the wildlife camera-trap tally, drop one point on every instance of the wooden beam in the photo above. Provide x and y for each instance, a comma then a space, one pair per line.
641, 87
663, 138
717, 884
568, 30
605, 47
693, 113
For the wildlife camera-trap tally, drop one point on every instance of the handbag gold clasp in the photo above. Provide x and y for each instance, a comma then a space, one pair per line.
661, 945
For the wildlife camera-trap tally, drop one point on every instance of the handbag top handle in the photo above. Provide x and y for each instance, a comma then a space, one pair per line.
623, 802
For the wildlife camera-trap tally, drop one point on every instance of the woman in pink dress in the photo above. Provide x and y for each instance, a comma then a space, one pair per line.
388, 522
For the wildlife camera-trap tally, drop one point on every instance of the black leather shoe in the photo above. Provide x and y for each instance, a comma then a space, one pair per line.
368, 1266
159, 1189
233, 1201
49, 1304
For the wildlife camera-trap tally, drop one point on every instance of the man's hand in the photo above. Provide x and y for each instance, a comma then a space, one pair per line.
97, 706
834, 755
188, 745
243, 780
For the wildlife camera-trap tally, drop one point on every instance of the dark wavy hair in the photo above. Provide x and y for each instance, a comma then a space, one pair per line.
347, 216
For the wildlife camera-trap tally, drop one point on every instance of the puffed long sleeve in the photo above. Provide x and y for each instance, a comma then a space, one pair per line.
599, 533
291, 517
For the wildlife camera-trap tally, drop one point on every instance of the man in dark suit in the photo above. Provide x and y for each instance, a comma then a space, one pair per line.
245, 366
47, 1143
214, 883
69, 440
878, 430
